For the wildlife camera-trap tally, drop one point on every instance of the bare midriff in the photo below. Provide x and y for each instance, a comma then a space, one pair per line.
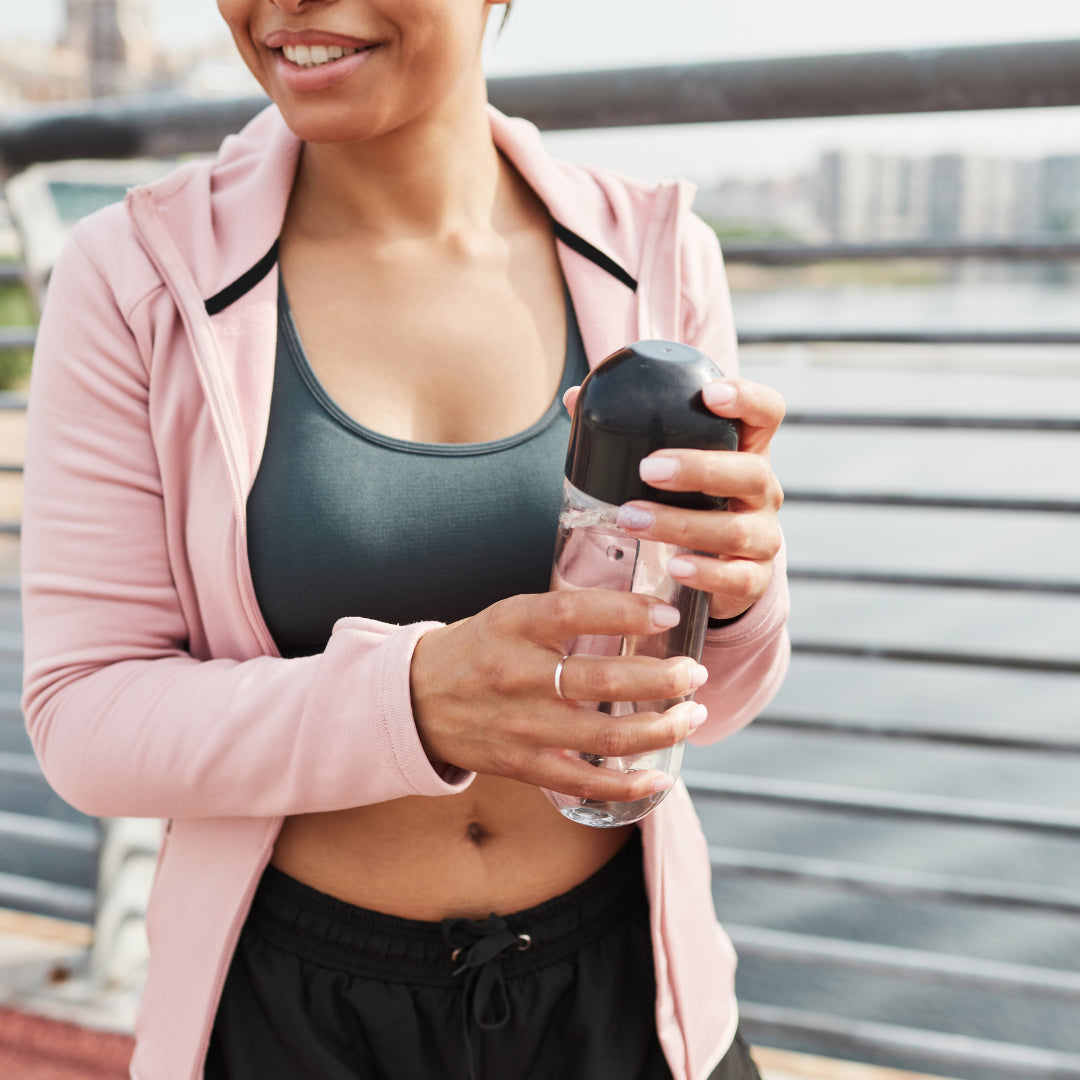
498, 846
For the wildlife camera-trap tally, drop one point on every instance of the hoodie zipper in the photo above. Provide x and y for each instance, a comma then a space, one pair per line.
174, 273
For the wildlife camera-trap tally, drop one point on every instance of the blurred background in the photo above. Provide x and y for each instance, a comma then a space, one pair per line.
896, 842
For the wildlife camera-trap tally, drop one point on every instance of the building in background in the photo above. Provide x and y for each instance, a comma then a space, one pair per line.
107, 49
113, 38
861, 197
1059, 194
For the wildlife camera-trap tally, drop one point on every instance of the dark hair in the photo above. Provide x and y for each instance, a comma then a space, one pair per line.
506, 15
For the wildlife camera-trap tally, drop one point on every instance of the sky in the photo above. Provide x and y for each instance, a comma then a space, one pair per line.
559, 35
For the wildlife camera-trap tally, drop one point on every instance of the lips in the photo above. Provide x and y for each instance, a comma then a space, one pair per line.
280, 38
318, 63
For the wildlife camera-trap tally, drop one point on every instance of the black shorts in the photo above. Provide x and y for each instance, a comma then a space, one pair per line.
320, 989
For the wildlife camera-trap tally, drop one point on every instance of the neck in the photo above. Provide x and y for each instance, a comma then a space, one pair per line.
436, 176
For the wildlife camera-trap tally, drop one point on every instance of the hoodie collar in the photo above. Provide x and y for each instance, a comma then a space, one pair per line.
230, 246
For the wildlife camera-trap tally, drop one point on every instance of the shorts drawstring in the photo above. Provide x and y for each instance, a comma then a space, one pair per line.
478, 947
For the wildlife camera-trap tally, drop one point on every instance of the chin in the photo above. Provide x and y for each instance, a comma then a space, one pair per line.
329, 124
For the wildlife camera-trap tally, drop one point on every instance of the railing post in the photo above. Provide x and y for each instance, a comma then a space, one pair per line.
119, 954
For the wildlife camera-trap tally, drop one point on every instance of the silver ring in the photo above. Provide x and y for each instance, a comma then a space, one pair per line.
558, 677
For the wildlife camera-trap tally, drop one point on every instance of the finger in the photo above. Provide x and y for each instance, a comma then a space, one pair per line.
569, 774
561, 615
629, 678
590, 731
759, 407
569, 399
734, 584
713, 532
720, 473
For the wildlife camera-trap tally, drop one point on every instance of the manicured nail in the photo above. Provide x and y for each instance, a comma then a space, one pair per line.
664, 616
657, 469
662, 783
699, 676
634, 519
718, 393
681, 568
698, 716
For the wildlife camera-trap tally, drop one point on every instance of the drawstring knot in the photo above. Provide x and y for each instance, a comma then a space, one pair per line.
477, 948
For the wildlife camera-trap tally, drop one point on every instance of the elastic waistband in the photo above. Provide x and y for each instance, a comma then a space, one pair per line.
343, 937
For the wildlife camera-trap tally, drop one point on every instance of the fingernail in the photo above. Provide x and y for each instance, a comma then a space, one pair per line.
681, 568
718, 393
664, 616
699, 676
661, 784
658, 469
634, 519
698, 715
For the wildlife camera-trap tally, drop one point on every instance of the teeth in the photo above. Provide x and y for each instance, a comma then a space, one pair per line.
314, 55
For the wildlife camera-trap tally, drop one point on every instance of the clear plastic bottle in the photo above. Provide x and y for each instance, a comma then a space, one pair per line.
643, 398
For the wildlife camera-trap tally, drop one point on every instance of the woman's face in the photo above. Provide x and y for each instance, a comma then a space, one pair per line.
345, 70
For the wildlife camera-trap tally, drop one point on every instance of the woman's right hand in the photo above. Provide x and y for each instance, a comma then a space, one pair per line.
483, 693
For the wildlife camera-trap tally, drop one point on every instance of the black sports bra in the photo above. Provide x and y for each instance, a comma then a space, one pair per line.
344, 521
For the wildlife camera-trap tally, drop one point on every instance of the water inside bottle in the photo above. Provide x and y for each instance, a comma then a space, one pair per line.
591, 552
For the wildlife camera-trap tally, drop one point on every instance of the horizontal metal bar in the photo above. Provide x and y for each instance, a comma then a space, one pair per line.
1033, 249
11, 273
11, 468
12, 402
934, 502
875, 729
1069, 424
888, 960
10, 528
891, 804
19, 767
936, 581
47, 832
47, 897
872, 336
157, 125
1027, 75
937, 1050
937, 656
909, 886
910, 81
17, 337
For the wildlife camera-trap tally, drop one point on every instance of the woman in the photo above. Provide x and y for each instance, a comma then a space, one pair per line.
292, 409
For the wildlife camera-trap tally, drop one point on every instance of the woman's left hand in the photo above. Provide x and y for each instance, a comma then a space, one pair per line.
740, 543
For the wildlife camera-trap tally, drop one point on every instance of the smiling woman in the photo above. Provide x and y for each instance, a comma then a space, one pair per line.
293, 480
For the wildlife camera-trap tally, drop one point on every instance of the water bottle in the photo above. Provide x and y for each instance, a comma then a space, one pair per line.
642, 398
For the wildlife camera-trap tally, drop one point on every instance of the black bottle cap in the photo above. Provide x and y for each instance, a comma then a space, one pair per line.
643, 398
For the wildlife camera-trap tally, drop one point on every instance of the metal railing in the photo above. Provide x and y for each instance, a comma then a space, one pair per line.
1017, 76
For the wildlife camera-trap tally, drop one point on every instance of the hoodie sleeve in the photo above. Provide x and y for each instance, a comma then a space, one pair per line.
125, 721
747, 659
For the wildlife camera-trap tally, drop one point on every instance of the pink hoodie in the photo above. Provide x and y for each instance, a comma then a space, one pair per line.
152, 685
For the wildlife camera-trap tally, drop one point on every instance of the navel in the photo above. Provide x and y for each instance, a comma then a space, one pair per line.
476, 832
